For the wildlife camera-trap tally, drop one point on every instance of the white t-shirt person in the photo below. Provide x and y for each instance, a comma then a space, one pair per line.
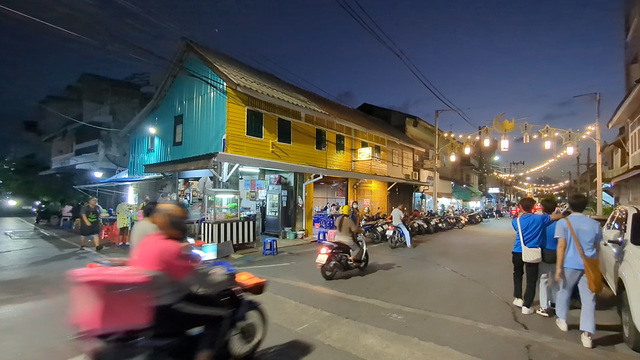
396, 217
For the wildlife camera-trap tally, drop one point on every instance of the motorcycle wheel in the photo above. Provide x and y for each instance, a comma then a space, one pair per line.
364, 263
429, 229
392, 241
375, 237
245, 338
460, 226
329, 272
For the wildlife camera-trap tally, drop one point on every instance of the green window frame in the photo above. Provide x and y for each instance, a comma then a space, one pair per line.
321, 139
255, 124
284, 131
340, 144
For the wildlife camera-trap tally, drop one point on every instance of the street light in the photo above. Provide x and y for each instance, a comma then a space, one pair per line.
496, 158
152, 130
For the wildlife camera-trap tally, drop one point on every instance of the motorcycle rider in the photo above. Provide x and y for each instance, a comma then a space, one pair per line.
347, 231
167, 255
397, 218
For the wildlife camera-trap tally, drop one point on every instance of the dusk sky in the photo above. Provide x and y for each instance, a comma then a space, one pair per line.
523, 58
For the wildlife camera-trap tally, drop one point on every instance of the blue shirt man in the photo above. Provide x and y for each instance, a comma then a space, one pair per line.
533, 228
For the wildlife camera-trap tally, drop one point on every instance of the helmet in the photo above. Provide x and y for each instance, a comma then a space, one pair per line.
367, 210
345, 210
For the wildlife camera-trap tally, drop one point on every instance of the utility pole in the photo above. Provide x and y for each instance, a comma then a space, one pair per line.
436, 175
598, 141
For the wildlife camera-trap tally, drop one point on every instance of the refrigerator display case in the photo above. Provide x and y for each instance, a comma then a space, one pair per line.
222, 204
277, 213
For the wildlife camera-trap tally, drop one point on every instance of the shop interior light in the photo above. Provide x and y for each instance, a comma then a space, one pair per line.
250, 170
98, 174
452, 157
486, 142
547, 144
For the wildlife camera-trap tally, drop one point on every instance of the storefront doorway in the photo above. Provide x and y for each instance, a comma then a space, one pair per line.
330, 191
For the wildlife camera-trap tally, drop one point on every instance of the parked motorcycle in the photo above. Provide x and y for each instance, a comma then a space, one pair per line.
130, 331
373, 230
333, 257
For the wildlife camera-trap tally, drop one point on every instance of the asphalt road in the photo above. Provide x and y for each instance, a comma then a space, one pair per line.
448, 298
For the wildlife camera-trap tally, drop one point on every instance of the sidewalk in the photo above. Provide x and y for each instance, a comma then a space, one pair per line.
112, 250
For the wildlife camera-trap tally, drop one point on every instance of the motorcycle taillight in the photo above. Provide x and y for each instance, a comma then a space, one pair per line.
390, 227
324, 250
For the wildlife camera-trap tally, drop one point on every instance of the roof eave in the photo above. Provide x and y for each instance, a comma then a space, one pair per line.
619, 116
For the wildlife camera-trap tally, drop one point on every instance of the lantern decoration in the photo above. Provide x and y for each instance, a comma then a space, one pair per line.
547, 144
526, 132
452, 157
467, 149
504, 143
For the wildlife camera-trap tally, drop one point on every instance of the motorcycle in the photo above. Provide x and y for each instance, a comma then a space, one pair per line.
372, 231
133, 335
395, 236
334, 257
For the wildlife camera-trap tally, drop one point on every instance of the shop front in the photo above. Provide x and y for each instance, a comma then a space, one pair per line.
469, 197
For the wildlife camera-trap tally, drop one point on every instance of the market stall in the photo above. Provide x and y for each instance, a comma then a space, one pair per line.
223, 220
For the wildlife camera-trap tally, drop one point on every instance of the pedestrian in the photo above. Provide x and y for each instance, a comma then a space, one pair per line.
355, 213
146, 202
549, 244
144, 227
397, 218
531, 226
91, 224
123, 214
576, 230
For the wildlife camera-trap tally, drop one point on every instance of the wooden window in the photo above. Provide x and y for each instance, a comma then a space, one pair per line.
177, 130
407, 160
321, 139
339, 144
284, 131
255, 124
364, 144
377, 151
395, 157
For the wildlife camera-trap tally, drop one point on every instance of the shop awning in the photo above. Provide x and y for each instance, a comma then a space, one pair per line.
466, 193
119, 180
207, 162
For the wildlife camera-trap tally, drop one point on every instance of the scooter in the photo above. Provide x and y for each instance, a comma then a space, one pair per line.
133, 336
395, 236
371, 231
333, 257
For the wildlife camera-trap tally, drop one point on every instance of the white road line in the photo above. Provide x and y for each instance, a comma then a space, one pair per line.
263, 266
61, 238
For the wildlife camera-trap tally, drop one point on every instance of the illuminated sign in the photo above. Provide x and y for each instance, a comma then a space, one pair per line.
494, 190
365, 153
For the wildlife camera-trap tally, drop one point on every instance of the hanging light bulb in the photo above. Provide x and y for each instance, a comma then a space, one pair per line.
570, 150
486, 142
452, 157
467, 149
547, 144
504, 143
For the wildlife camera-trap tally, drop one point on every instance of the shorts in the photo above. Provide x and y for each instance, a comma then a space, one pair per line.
89, 232
124, 230
90, 236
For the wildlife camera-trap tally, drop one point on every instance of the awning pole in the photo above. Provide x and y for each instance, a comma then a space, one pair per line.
392, 185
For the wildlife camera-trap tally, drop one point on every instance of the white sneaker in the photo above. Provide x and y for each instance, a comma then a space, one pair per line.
562, 325
527, 311
518, 302
586, 340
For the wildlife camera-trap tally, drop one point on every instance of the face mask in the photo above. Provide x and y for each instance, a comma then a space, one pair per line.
355, 206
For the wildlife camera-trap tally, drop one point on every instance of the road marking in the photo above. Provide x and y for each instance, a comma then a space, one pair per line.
525, 335
263, 266
62, 239
363, 340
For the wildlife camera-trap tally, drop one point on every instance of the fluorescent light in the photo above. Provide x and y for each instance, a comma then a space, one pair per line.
130, 196
250, 170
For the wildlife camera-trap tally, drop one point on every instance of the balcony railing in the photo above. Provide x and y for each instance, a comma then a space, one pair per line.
610, 174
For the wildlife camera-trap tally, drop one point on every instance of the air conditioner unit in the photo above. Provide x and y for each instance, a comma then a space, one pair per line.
415, 175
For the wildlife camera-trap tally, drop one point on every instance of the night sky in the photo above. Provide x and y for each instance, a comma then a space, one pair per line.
524, 58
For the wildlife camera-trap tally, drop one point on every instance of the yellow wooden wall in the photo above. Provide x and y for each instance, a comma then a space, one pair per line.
302, 149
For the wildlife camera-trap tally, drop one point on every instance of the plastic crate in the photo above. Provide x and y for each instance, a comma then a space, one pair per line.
106, 300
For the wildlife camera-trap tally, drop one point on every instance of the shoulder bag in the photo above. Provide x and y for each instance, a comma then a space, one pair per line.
591, 265
529, 255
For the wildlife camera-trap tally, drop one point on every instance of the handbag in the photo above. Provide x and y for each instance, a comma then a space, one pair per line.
529, 255
549, 256
591, 265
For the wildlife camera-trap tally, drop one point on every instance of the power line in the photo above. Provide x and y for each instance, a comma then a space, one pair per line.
78, 121
399, 53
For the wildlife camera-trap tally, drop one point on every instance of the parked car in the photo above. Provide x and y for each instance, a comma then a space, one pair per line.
620, 266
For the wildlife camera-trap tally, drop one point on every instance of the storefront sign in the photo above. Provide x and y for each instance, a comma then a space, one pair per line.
366, 202
365, 153
494, 190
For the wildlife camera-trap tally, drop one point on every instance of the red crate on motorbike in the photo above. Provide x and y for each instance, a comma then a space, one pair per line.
251, 283
105, 300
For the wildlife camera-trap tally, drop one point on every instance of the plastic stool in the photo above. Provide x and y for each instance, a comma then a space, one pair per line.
65, 219
322, 236
331, 235
270, 247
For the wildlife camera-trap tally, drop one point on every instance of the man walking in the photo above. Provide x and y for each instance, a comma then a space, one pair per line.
532, 227
549, 244
90, 225
397, 215
570, 267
